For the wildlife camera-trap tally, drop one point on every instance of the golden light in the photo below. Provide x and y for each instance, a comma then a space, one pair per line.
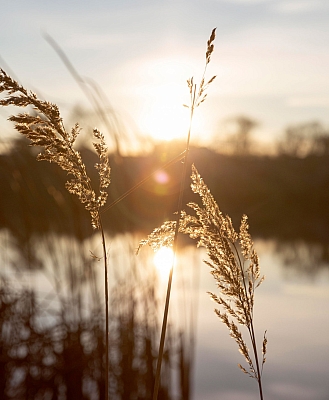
163, 116
161, 177
163, 260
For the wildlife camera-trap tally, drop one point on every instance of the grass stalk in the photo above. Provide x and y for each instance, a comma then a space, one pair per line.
90, 94
259, 377
249, 316
106, 292
234, 265
196, 98
166, 309
45, 129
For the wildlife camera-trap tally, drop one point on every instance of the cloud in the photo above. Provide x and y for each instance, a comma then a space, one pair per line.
287, 6
302, 6
308, 102
94, 40
249, 1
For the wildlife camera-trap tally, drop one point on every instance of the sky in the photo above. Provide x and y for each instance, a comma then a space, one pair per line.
271, 59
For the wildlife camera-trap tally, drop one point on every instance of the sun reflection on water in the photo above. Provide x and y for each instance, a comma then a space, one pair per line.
163, 260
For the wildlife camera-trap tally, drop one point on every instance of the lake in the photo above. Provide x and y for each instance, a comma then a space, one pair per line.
292, 304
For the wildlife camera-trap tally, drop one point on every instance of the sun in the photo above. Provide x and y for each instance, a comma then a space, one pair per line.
163, 260
165, 118
162, 115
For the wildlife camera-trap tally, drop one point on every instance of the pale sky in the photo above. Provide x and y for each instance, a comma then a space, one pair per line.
271, 60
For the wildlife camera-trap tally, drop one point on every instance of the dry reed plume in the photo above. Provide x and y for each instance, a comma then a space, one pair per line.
233, 262
197, 96
46, 129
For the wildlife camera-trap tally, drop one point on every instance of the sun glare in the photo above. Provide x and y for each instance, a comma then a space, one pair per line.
163, 116
163, 260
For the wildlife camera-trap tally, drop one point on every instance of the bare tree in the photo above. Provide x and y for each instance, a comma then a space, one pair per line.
239, 139
301, 140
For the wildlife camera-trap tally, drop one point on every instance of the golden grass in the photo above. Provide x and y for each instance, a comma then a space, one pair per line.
233, 261
45, 129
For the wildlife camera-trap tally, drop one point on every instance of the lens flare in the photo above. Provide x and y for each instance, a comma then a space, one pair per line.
161, 177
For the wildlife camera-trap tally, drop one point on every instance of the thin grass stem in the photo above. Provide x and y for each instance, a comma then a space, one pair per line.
195, 100
166, 309
253, 340
250, 325
106, 311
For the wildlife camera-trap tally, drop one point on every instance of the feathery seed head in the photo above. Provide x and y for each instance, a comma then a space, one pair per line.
237, 275
210, 45
47, 131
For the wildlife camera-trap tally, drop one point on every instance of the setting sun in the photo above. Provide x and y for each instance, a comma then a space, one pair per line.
163, 260
163, 116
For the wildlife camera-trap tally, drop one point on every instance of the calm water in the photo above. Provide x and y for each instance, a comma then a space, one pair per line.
292, 305
294, 309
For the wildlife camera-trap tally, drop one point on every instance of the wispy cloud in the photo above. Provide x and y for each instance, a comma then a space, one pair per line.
285, 6
94, 40
308, 101
298, 6
248, 1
